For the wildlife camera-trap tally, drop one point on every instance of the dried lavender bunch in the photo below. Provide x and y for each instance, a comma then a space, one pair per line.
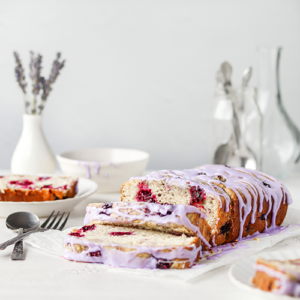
35, 75
19, 72
46, 84
39, 83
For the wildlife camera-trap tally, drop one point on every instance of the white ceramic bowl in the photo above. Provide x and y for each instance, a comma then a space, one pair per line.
109, 167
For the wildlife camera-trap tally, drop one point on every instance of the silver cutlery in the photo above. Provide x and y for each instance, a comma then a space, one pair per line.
18, 253
224, 151
33, 221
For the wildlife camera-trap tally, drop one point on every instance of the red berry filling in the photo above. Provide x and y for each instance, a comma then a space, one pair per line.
119, 233
43, 178
197, 196
48, 186
163, 264
167, 213
266, 184
76, 233
23, 183
107, 206
145, 194
96, 253
88, 227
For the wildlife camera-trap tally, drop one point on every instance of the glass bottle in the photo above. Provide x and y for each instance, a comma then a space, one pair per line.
280, 136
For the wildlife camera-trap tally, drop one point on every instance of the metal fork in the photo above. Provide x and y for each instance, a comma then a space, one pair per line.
41, 228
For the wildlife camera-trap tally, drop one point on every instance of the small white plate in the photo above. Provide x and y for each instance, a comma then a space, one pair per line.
86, 187
242, 272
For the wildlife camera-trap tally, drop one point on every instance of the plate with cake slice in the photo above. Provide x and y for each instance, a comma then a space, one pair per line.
269, 274
41, 194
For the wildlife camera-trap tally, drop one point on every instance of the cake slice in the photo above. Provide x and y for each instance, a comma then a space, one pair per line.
237, 202
31, 188
177, 219
279, 277
129, 247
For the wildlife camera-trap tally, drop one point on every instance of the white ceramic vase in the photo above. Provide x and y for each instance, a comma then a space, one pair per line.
32, 154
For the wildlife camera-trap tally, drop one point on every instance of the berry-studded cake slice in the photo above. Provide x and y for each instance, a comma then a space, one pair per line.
237, 202
176, 219
31, 188
279, 277
129, 247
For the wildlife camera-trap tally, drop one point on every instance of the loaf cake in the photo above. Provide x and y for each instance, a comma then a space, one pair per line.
121, 246
279, 277
237, 202
177, 219
29, 188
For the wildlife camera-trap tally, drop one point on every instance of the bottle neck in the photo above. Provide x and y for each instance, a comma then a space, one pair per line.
32, 123
268, 76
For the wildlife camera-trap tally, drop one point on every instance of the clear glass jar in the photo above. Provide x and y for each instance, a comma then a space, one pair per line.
280, 136
235, 127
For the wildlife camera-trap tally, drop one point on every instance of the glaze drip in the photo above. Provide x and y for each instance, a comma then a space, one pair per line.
147, 212
241, 181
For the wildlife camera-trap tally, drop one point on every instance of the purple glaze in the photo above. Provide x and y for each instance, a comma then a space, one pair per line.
118, 258
160, 214
286, 285
97, 167
87, 168
237, 179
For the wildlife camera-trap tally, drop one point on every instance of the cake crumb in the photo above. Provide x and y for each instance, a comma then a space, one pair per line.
256, 239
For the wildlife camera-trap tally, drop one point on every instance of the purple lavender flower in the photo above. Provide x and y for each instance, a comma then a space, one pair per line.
19, 72
47, 84
38, 82
35, 72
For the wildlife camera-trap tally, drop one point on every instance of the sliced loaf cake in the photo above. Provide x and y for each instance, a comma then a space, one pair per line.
121, 246
29, 188
176, 219
237, 202
279, 277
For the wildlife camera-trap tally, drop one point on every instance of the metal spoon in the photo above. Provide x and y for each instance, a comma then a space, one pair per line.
226, 69
224, 150
222, 153
243, 156
25, 221
246, 77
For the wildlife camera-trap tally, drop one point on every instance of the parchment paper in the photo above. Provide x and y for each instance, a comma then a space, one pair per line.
52, 241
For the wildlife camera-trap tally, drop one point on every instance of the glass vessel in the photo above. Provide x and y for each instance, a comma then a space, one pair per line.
246, 149
235, 127
280, 136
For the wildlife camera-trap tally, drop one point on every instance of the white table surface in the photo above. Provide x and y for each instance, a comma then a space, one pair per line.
44, 276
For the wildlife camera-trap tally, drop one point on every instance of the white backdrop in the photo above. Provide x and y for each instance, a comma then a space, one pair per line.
139, 74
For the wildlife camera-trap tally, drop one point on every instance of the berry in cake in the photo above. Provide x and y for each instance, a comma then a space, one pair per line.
121, 246
29, 188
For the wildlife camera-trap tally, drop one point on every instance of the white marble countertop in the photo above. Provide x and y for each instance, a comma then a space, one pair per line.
44, 276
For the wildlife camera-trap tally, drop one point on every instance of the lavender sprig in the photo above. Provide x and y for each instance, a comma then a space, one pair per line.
38, 82
47, 84
35, 75
20, 76
19, 71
